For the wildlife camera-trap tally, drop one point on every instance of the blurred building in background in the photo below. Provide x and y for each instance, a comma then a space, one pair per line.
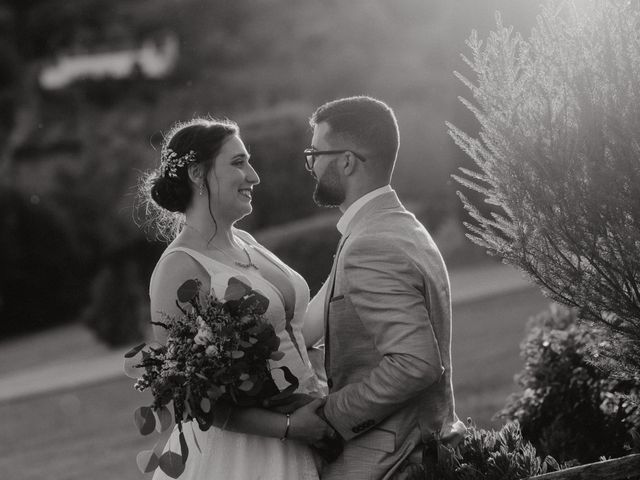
151, 60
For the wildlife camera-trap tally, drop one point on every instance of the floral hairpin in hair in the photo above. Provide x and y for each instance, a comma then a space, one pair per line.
170, 161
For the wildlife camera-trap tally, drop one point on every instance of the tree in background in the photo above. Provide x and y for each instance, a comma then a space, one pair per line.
559, 154
88, 141
36, 251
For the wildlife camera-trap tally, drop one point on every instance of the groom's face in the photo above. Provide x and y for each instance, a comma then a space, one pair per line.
329, 191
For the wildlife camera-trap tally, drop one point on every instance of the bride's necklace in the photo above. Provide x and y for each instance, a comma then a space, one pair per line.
236, 262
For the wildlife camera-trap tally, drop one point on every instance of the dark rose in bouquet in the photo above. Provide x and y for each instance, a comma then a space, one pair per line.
216, 351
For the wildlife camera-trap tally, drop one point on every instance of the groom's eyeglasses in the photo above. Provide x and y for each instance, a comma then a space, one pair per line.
310, 156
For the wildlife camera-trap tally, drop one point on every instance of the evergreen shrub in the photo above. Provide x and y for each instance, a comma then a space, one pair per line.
117, 309
569, 408
491, 455
39, 263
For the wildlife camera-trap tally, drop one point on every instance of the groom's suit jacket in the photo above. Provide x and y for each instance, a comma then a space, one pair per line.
387, 341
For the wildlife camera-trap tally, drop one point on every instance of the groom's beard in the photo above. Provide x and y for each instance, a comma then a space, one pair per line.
329, 192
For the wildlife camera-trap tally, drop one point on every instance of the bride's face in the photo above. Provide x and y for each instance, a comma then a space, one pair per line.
231, 181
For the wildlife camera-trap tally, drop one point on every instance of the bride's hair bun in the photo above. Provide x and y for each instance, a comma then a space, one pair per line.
196, 141
172, 194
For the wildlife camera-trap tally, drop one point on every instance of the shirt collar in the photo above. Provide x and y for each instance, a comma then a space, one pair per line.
356, 206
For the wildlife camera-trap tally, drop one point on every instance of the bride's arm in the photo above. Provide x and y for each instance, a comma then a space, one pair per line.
255, 421
313, 328
304, 424
172, 271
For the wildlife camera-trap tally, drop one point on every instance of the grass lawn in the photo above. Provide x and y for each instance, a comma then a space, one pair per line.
486, 352
89, 433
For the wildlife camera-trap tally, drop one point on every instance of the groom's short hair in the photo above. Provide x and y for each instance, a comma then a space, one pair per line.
366, 122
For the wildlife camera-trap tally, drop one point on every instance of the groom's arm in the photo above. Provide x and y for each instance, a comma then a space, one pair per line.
386, 289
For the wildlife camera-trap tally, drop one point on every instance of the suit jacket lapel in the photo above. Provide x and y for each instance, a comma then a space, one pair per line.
383, 202
327, 298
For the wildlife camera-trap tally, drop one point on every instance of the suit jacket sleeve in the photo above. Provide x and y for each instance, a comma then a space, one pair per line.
386, 289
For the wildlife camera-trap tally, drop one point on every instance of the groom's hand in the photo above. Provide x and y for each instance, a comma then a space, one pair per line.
307, 426
289, 404
331, 446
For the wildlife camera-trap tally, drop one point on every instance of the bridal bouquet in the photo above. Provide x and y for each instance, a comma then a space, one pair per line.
217, 350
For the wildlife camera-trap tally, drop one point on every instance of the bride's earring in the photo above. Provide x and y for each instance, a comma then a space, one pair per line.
201, 191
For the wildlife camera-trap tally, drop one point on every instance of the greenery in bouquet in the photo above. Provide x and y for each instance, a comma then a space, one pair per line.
216, 351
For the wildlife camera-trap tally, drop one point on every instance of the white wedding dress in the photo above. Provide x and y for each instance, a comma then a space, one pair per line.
226, 455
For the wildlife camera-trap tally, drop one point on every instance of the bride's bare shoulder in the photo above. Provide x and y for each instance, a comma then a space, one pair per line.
172, 270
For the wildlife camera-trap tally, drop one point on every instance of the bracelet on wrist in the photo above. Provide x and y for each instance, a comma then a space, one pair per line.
286, 430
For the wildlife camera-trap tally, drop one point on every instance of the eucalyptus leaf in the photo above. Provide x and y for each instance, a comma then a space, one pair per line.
154, 346
237, 354
162, 442
188, 290
289, 376
147, 461
164, 419
242, 281
131, 362
293, 384
236, 289
246, 386
255, 302
144, 420
134, 351
171, 463
277, 355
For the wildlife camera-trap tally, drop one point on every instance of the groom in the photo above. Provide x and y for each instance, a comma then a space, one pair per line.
387, 306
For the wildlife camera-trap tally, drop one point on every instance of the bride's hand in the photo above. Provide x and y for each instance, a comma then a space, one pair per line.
306, 426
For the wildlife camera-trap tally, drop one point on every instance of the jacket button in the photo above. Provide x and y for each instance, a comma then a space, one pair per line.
330, 383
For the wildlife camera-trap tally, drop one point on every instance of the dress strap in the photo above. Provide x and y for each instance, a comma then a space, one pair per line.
207, 263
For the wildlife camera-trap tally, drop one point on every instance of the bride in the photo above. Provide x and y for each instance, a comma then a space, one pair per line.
205, 181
